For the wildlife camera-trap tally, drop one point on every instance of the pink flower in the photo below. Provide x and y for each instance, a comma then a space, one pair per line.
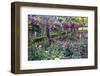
40, 46
64, 45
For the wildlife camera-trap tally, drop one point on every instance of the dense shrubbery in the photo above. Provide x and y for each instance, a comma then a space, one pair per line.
57, 37
52, 52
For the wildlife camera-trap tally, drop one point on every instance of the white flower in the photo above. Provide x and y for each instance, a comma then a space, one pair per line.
40, 46
46, 51
57, 59
35, 33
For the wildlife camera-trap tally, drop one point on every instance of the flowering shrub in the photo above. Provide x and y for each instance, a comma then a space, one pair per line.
57, 37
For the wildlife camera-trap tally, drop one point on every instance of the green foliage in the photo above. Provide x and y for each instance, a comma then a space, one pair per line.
36, 53
46, 43
55, 52
70, 33
40, 33
79, 19
49, 38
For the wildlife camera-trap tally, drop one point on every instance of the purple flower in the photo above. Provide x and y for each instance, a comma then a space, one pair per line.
31, 17
71, 25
